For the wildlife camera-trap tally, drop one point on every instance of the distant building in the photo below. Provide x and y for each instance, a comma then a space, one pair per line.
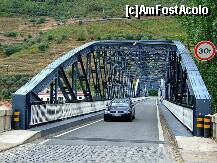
45, 96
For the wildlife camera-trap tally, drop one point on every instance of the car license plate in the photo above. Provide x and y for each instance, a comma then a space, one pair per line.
117, 115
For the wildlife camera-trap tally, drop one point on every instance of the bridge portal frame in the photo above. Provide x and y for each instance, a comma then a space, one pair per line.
179, 63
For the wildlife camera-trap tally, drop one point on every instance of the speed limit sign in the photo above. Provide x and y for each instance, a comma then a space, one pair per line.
204, 50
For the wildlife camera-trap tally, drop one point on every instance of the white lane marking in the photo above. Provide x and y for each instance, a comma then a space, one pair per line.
77, 128
161, 136
45, 141
160, 130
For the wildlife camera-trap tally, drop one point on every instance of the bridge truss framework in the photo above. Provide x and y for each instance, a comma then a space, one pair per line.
107, 69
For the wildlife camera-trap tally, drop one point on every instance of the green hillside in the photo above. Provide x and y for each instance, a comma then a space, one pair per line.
31, 54
70, 8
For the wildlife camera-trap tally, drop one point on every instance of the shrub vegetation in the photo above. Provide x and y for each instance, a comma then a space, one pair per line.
11, 34
62, 9
43, 46
201, 28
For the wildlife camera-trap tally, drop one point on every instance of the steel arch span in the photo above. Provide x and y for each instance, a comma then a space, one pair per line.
103, 70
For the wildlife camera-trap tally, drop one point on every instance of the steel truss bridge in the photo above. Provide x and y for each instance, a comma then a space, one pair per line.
107, 69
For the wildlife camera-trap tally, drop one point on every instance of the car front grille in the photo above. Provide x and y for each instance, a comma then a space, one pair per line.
116, 111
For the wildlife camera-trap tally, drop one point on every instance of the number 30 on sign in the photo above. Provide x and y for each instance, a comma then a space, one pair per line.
204, 50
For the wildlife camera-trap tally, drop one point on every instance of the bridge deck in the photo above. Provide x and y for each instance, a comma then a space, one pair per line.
137, 141
144, 129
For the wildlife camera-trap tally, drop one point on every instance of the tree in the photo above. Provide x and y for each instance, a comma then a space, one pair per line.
201, 28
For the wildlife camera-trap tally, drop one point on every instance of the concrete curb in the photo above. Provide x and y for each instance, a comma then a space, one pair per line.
10, 147
172, 139
191, 148
50, 128
13, 138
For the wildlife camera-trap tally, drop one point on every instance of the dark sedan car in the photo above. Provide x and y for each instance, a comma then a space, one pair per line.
120, 108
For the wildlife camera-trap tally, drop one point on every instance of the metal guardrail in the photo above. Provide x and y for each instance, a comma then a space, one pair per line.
185, 115
52, 112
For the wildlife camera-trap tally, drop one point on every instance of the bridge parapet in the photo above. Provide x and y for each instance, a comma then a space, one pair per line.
184, 114
52, 112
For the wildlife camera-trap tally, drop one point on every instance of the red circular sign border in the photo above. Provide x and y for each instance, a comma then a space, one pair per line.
200, 43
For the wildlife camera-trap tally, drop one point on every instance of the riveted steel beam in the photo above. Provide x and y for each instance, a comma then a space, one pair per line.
67, 84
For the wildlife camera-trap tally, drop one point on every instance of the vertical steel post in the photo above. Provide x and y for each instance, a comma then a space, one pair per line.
75, 78
87, 90
56, 89
51, 92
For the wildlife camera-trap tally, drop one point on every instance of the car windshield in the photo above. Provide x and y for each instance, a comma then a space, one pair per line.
120, 104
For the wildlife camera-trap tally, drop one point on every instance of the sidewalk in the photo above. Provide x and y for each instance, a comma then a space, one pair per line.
13, 138
192, 149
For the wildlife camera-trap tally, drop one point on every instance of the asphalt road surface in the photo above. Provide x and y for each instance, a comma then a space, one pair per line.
101, 142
